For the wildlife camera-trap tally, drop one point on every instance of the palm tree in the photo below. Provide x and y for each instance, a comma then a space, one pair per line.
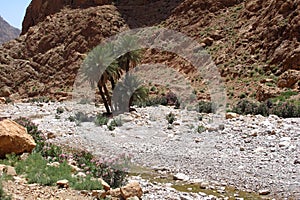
96, 71
128, 90
100, 67
130, 58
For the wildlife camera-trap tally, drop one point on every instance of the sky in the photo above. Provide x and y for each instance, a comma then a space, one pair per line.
13, 11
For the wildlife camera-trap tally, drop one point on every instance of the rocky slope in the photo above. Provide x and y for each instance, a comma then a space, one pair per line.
7, 32
255, 44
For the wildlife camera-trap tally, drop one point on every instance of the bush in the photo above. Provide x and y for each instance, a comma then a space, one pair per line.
115, 123
32, 129
111, 170
205, 107
59, 110
170, 118
285, 110
200, 129
101, 120
169, 99
37, 171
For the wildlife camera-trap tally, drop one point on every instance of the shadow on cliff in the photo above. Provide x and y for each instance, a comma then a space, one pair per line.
143, 13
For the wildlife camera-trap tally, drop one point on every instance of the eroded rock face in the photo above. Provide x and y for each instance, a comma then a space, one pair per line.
14, 138
289, 79
38, 10
48, 56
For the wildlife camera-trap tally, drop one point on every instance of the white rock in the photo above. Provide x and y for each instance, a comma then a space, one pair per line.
181, 177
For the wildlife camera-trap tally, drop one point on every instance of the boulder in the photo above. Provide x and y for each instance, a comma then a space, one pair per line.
231, 115
181, 177
14, 138
265, 92
115, 192
289, 79
131, 190
105, 185
62, 183
2, 100
9, 170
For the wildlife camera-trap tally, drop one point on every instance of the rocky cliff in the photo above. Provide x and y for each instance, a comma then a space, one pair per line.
254, 43
7, 32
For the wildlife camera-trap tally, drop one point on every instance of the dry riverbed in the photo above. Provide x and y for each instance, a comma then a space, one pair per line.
254, 154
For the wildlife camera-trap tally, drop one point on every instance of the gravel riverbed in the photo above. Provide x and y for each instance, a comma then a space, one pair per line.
251, 153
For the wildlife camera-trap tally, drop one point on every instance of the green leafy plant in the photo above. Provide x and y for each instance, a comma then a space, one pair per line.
59, 110
32, 129
170, 118
286, 109
200, 129
101, 120
205, 107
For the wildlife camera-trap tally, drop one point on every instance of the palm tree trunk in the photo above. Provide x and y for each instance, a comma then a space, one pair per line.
106, 105
106, 92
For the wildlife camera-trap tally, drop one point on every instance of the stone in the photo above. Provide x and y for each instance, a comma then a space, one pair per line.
297, 161
288, 79
204, 185
231, 115
132, 189
181, 177
53, 164
74, 168
264, 192
8, 170
133, 198
2, 100
99, 193
81, 174
5, 91
208, 41
105, 185
115, 192
14, 138
284, 142
62, 183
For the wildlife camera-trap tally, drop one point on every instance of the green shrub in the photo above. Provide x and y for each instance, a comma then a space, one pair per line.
32, 129
36, 170
112, 170
52, 152
205, 107
11, 160
101, 120
200, 129
59, 110
170, 118
87, 183
285, 110
117, 122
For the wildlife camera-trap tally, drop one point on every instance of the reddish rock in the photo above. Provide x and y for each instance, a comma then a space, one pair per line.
14, 138
132, 189
289, 79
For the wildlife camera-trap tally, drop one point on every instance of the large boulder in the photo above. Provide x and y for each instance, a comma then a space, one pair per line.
14, 138
131, 190
289, 79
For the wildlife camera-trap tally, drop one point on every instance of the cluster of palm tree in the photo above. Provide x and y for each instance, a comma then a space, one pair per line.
104, 71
